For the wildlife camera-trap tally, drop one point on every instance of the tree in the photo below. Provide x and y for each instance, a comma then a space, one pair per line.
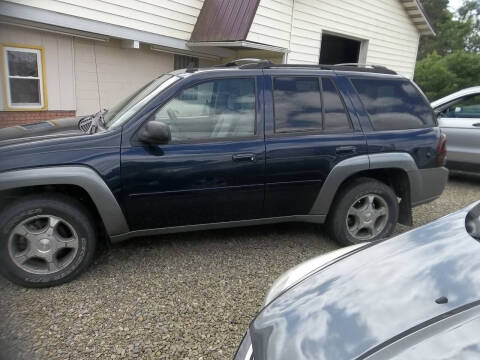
450, 61
433, 76
470, 12
435, 10
452, 34
439, 76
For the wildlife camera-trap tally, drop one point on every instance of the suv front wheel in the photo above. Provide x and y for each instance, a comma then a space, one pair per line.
45, 240
366, 210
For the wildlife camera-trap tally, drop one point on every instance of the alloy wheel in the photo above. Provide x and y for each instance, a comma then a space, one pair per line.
43, 244
367, 217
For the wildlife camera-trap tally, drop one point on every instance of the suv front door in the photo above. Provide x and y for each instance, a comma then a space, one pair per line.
213, 168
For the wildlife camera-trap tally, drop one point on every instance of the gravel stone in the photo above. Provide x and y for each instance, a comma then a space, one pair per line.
183, 296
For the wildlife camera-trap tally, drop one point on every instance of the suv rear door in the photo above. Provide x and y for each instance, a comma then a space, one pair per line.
213, 169
309, 128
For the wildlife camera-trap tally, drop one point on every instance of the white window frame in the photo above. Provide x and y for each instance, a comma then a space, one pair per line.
40, 78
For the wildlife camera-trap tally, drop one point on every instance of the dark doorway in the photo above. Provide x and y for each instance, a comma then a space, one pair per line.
339, 50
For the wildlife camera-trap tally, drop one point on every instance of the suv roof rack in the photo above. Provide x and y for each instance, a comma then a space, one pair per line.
249, 63
242, 63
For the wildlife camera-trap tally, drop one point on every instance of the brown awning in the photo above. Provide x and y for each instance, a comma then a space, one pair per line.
224, 20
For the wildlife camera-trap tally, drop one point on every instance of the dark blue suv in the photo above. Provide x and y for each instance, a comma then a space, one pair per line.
245, 143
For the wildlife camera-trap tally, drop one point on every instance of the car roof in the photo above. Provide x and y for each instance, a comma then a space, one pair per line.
452, 97
356, 305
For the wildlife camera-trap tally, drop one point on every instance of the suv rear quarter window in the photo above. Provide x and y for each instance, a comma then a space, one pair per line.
394, 104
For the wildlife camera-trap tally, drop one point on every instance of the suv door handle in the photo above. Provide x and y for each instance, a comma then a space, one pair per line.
346, 150
244, 157
476, 125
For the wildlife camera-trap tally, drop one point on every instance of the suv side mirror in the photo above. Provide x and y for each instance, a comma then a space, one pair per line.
155, 133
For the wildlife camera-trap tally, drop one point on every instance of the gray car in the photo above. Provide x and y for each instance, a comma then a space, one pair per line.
459, 119
413, 297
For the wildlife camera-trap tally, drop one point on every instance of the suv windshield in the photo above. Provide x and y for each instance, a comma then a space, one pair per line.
118, 114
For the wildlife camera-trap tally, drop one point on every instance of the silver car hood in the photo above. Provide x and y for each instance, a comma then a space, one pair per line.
355, 305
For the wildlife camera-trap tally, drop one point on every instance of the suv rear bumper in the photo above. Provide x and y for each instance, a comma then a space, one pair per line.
429, 185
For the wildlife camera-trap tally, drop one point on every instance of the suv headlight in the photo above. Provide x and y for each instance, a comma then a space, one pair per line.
302, 270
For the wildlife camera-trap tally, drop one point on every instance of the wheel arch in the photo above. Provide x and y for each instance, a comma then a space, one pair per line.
73, 181
397, 170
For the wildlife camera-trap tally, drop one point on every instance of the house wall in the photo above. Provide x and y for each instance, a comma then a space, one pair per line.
58, 50
392, 37
105, 73
272, 23
174, 18
82, 76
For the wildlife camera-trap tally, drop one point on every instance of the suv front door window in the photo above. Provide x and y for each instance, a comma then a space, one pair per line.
217, 109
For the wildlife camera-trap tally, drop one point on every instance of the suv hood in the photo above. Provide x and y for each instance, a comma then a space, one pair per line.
352, 307
41, 130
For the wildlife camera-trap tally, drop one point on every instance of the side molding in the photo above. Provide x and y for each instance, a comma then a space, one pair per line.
346, 168
312, 219
82, 176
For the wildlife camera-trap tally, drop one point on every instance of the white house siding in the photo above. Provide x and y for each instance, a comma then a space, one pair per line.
174, 18
272, 23
392, 37
58, 63
105, 73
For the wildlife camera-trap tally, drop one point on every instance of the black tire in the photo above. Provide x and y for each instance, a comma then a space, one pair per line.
49, 206
348, 196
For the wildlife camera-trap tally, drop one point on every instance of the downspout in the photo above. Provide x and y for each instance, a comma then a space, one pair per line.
285, 55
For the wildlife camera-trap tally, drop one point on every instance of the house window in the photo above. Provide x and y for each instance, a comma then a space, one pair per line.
24, 78
183, 62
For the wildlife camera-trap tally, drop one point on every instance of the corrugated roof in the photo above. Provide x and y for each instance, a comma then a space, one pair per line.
224, 20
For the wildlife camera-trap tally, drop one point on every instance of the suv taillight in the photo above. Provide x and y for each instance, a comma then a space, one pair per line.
442, 151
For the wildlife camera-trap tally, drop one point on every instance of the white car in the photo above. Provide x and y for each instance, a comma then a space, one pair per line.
459, 119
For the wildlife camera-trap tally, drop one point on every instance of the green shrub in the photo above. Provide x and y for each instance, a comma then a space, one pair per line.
439, 76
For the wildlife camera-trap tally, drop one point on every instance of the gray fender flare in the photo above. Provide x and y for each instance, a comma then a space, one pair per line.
82, 176
346, 168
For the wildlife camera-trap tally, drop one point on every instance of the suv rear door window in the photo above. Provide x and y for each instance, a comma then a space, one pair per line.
298, 105
394, 104
336, 118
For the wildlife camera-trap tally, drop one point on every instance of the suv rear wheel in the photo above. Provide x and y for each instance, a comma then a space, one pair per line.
45, 240
366, 210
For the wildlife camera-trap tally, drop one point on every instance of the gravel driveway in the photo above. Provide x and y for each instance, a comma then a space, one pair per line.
184, 296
